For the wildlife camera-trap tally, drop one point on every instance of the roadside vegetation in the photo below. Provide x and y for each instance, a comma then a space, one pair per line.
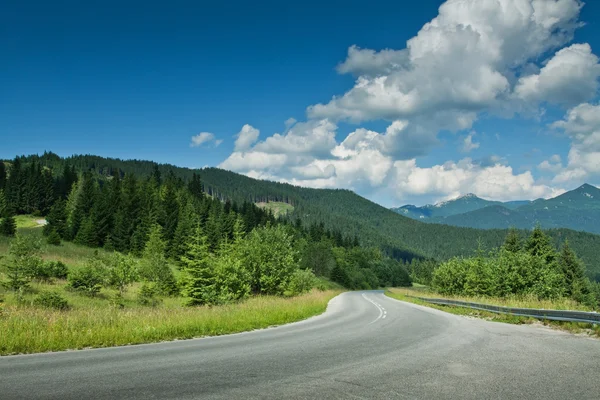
524, 272
89, 260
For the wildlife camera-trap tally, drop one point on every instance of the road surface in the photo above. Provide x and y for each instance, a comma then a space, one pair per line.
365, 346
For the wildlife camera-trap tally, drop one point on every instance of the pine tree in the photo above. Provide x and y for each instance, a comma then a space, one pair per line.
23, 260
154, 266
573, 270
8, 225
538, 245
185, 228
2, 175
57, 219
170, 211
512, 242
47, 190
15, 186
199, 282
87, 234
195, 186
53, 238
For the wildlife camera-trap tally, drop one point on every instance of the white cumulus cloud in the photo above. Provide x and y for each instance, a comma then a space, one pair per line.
204, 138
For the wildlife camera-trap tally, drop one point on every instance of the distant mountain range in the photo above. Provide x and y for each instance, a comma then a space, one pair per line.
578, 209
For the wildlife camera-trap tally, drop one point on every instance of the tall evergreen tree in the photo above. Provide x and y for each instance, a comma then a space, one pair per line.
512, 242
538, 244
573, 270
2, 175
154, 266
57, 219
199, 281
8, 226
15, 186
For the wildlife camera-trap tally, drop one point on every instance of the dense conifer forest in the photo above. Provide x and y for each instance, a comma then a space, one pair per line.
225, 249
341, 213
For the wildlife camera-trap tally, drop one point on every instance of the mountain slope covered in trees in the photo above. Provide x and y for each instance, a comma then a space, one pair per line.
336, 211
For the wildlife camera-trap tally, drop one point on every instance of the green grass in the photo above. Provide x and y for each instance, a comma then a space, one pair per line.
409, 295
28, 221
278, 208
93, 323
69, 253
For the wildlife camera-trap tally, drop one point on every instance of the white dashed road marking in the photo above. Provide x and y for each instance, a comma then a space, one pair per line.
382, 312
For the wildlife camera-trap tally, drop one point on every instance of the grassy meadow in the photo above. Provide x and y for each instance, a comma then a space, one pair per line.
99, 321
276, 207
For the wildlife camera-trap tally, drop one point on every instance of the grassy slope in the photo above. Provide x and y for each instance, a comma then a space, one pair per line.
26, 329
277, 208
94, 322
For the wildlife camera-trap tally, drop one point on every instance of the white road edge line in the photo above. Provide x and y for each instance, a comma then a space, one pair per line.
381, 312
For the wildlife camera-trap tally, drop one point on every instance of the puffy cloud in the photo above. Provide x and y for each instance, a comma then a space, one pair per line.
475, 57
462, 61
553, 164
468, 143
372, 63
582, 125
311, 137
204, 138
570, 77
451, 179
246, 138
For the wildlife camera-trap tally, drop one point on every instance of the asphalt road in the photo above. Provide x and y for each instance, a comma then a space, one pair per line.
365, 346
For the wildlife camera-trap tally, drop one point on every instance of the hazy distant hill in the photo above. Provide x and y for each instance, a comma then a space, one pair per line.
460, 205
578, 209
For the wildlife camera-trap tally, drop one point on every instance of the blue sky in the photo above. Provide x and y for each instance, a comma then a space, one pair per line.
140, 79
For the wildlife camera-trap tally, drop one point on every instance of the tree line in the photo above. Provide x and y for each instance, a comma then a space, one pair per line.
223, 251
530, 267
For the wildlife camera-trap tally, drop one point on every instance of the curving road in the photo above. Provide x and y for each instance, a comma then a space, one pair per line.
365, 345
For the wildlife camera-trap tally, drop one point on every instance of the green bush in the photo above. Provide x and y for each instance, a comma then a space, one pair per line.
88, 279
302, 281
45, 271
147, 296
53, 238
51, 300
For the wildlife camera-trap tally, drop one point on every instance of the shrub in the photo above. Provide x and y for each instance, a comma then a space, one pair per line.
53, 238
302, 281
57, 269
45, 271
88, 279
51, 300
147, 296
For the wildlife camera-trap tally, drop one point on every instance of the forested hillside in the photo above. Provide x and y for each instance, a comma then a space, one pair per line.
341, 212
225, 250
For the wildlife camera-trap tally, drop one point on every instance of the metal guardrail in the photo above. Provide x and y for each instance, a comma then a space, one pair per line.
555, 315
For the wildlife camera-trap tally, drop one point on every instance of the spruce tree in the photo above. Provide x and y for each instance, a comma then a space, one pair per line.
199, 281
154, 266
22, 262
8, 225
2, 175
538, 245
185, 228
57, 219
573, 270
512, 242
53, 238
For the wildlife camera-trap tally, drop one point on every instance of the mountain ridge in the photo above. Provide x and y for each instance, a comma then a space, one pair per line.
339, 209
